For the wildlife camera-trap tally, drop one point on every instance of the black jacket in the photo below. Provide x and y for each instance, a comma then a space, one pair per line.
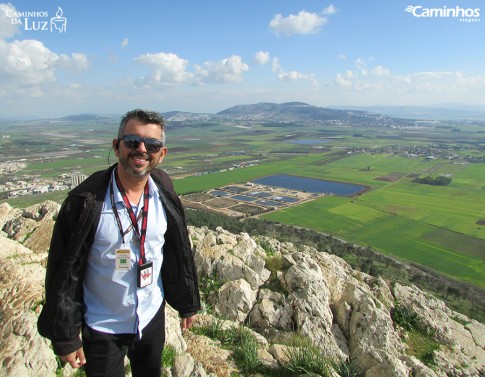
62, 316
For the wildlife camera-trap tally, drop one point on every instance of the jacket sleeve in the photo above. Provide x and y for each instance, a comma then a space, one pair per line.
179, 274
61, 316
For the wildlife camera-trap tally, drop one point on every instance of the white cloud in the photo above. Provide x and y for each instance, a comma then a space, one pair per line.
29, 62
381, 84
225, 70
124, 43
76, 62
75, 85
302, 23
379, 70
166, 67
261, 57
7, 27
362, 69
343, 81
292, 75
330, 9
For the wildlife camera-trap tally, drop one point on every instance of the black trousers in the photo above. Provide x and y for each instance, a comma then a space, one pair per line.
105, 353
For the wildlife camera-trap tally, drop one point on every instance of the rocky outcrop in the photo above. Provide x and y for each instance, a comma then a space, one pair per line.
275, 291
32, 226
345, 312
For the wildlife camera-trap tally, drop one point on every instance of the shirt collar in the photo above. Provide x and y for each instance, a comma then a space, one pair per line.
118, 198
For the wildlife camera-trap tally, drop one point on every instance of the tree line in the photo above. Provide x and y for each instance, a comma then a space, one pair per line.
440, 180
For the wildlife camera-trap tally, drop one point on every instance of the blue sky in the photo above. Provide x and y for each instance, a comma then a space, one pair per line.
208, 55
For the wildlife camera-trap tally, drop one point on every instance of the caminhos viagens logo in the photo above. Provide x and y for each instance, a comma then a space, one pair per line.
458, 13
38, 20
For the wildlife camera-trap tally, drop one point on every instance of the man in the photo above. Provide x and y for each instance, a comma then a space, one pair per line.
119, 251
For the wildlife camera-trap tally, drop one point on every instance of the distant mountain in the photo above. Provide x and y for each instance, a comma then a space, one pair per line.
450, 112
173, 117
88, 117
295, 111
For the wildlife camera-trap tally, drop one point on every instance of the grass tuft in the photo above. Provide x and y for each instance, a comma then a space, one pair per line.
306, 358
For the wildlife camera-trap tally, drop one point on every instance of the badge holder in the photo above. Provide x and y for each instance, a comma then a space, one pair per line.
145, 274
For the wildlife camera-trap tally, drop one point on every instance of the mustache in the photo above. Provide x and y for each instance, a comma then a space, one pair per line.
136, 154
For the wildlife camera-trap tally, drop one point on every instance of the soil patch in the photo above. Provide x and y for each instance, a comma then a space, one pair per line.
391, 177
248, 209
221, 203
198, 197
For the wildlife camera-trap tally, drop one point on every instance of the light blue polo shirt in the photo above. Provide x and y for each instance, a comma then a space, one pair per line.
114, 304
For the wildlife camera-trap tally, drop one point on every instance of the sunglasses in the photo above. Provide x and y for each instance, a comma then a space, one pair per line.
134, 141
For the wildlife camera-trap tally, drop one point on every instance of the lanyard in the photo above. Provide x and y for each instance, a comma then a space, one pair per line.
141, 234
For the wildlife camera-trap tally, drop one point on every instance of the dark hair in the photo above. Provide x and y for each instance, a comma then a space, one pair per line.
144, 116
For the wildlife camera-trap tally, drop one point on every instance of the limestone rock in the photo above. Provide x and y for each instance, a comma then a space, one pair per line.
272, 310
7, 213
463, 352
224, 257
173, 332
21, 290
236, 299
22, 227
280, 353
346, 313
184, 366
213, 358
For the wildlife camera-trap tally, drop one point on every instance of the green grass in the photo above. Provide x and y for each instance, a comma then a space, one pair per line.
307, 358
239, 340
168, 356
447, 207
420, 339
398, 236
55, 167
423, 347
28, 200
209, 289
304, 356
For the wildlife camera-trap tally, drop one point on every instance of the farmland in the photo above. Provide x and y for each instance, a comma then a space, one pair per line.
438, 227
441, 227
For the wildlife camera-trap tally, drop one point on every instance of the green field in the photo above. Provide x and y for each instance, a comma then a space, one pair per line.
429, 225
448, 252
441, 227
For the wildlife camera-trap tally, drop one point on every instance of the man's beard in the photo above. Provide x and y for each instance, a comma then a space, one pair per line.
125, 164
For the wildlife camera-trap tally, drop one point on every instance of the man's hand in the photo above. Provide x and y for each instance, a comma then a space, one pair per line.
76, 358
187, 323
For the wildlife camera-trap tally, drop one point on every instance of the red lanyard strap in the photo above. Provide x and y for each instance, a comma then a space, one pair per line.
141, 234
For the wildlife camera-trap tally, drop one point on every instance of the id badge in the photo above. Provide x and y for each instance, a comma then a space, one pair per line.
123, 260
145, 274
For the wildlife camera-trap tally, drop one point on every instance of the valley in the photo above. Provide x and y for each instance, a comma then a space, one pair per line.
440, 227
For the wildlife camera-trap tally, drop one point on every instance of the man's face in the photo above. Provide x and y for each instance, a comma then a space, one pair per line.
138, 162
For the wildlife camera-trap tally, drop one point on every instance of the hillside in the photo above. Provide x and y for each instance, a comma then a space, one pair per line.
297, 111
445, 112
268, 290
